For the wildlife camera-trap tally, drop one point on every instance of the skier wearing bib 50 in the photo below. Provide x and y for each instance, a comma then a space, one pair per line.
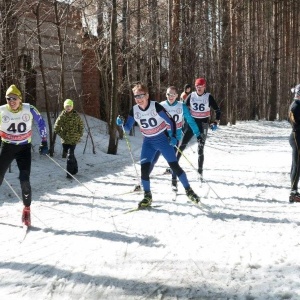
16, 131
152, 119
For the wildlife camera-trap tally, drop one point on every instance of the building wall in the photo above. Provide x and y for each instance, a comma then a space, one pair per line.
81, 77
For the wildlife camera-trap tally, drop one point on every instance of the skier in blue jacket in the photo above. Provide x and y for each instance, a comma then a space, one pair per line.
152, 119
180, 113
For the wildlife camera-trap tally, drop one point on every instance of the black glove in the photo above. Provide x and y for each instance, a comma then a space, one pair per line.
43, 149
200, 141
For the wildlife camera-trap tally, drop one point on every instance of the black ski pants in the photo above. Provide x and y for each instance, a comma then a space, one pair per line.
72, 166
187, 136
22, 155
295, 169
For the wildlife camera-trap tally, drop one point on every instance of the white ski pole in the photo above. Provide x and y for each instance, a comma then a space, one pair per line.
138, 187
13, 190
197, 172
68, 173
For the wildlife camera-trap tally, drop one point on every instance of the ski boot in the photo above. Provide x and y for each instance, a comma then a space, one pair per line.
137, 188
294, 197
174, 185
168, 171
26, 220
192, 195
146, 202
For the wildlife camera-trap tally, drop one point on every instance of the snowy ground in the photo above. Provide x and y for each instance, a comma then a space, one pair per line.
240, 245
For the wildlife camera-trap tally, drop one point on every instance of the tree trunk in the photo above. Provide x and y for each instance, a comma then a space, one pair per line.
113, 139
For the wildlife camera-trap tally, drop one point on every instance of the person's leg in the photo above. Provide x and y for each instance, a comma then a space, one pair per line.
187, 136
201, 148
169, 154
295, 168
7, 155
154, 161
23, 159
147, 155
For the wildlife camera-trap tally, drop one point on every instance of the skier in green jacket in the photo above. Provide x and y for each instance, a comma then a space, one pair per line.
69, 127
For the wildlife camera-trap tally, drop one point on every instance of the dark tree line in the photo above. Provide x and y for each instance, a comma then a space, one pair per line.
246, 50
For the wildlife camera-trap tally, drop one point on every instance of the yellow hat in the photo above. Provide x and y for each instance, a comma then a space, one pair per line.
13, 90
68, 102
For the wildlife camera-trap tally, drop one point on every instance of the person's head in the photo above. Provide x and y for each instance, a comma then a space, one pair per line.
296, 91
13, 97
171, 94
187, 88
68, 105
200, 85
141, 95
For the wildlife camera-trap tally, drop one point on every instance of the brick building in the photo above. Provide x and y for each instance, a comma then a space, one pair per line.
79, 75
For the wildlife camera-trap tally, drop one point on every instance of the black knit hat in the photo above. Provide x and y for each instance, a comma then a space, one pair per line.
186, 86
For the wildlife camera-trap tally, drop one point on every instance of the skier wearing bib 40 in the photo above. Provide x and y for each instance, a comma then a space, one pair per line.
16, 131
152, 119
180, 113
200, 103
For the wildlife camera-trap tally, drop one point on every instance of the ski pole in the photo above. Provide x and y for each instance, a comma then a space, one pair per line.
137, 188
197, 172
13, 190
68, 173
218, 149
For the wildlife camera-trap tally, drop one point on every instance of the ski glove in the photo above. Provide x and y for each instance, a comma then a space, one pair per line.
200, 141
43, 149
214, 126
172, 141
119, 121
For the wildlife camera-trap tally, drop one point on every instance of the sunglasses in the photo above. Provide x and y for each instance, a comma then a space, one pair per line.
11, 98
171, 95
139, 96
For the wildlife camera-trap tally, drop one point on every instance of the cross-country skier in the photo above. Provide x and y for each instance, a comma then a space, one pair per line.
152, 119
200, 104
180, 113
294, 118
16, 131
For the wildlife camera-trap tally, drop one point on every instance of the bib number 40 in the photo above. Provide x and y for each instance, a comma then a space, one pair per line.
20, 127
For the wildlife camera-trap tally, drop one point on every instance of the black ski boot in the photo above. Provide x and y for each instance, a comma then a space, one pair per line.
174, 185
147, 201
294, 197
192, 195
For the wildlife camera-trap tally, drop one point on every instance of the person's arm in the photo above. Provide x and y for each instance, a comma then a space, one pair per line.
190, 120
188, 101
40, 122
213, 104
129, 122
57, 126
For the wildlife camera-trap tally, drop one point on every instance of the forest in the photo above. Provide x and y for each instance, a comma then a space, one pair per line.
248, 51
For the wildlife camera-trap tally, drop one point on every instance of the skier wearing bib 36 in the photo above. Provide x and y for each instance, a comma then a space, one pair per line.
152, 119
16, 131
200, 103
294, 118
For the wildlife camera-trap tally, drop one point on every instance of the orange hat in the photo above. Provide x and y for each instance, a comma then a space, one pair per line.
200, 81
